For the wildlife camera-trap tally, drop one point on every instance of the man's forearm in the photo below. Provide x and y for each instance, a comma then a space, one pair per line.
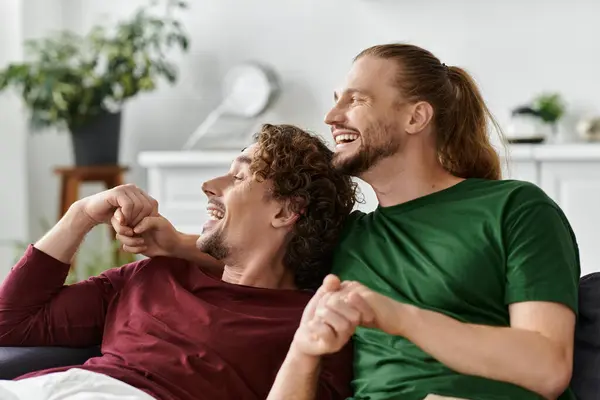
62, 241
297, 378
518, 356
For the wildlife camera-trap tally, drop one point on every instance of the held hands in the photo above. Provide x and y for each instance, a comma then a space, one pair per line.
385, 312
133, 202
153, 236
334, 312
135, 218
329, 320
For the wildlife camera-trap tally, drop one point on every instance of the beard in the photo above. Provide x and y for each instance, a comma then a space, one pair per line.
376, 144
214, 245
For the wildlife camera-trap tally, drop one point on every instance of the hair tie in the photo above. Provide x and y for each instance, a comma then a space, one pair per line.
445, 67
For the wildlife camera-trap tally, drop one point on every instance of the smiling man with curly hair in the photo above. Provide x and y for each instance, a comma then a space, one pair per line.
216, 328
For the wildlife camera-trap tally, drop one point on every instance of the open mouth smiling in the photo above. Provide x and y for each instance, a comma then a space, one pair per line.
215, 213
344, 138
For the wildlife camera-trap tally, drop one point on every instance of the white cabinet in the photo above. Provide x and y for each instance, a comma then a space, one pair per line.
568, 173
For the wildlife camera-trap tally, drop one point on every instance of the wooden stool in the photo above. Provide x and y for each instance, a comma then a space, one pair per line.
72, 177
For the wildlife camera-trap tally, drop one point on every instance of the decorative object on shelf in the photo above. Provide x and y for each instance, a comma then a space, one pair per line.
80, 83
525, 126
249, 89
589, 129
535, 122
550, 107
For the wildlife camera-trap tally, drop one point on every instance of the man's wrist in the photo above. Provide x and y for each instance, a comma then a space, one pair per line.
77, 220
405, 317
185, 245
303, 362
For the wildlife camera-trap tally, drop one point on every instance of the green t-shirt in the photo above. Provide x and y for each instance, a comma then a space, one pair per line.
468, 252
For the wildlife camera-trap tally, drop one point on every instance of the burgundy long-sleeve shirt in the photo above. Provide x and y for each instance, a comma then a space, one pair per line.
165, 327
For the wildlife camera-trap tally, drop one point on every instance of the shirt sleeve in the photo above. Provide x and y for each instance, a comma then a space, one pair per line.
37, 309
542, 254
336, 375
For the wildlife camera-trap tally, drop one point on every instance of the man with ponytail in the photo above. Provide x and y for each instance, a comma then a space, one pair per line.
459, 284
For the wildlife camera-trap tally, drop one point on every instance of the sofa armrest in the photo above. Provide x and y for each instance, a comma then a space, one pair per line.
17, 361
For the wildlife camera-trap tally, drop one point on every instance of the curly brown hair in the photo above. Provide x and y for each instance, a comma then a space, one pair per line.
299, 166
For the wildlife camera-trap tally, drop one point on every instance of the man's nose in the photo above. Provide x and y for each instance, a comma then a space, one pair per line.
334, 116
210, 188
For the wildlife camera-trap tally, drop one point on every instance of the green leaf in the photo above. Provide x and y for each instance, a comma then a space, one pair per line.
550, 107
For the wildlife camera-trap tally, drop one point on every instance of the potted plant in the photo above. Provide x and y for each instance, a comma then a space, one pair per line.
550, 107
80, 83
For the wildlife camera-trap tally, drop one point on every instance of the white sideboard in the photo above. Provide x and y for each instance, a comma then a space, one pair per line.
569, 173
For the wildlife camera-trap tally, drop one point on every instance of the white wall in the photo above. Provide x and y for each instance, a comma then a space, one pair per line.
514, 48
13, 175
48, 149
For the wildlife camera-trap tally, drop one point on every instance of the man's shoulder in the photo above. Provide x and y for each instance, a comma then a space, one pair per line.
508, 194
520, 187
355, 217
507, 187
524, 195
354, 221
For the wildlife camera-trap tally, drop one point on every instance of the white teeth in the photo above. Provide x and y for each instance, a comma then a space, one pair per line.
215, 214
346, 138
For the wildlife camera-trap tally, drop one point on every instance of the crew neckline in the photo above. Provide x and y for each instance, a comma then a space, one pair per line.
248, 288
427, 199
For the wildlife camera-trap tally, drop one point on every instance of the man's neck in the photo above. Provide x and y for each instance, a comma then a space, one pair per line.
259, 270
402, 178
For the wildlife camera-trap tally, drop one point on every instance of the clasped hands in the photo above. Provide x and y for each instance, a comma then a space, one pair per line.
336, 310
134, 216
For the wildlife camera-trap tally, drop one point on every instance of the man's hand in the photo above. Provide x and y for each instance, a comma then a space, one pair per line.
329, 320
134, 203
63, 240
153, 236
377, 311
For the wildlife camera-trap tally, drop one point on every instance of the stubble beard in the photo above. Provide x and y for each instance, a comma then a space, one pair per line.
214, 245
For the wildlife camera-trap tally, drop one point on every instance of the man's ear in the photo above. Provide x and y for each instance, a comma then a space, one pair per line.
421, 115
286, 216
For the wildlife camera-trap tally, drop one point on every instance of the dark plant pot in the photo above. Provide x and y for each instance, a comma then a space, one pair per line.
97, 142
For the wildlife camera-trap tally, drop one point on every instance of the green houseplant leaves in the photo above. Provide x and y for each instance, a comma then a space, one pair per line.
68, 79
550, 107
